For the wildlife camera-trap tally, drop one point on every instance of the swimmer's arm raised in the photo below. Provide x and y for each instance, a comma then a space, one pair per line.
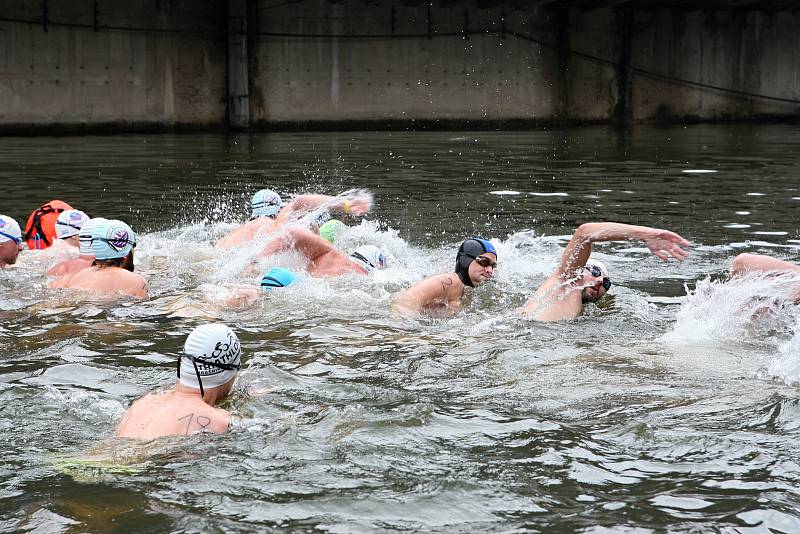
357, 205
662, 243
745, 263
304, 241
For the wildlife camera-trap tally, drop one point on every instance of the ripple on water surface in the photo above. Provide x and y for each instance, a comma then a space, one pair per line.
671, 405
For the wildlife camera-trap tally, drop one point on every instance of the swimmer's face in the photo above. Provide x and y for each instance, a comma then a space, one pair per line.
72, 241
9, 250
593, 289
479, 273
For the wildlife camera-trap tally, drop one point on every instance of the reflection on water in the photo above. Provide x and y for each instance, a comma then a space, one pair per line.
653, 410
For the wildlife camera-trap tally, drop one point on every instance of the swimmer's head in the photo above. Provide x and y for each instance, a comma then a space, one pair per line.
278, 277
369, 257
10, 240
211, 357
595, 279
475, 261
331, 229
112, 239
266, 203
69, 225
85, 236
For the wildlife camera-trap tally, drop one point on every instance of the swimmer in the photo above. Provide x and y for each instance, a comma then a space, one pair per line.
747, 263
443, 295
757, 263
68, 226
321, 258
578, 279
10, 241
112, 269
331, 229
207, 368
85, 256
269, 213
278, 277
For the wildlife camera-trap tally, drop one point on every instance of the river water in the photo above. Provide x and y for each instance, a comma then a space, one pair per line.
673, 405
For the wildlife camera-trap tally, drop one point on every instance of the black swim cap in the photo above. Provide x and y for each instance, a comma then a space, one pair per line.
467, 252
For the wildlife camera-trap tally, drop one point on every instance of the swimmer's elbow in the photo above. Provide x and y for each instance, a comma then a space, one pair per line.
741, 264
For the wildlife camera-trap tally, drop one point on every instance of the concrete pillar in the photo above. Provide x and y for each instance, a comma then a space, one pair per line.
238, 82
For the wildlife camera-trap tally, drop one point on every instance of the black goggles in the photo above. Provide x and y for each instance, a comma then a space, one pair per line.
483, 261
116, 243
195, 360
70, 225
595, 270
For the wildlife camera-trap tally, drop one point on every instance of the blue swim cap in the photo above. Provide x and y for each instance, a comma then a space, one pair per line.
266, 203
112, 239
278, 277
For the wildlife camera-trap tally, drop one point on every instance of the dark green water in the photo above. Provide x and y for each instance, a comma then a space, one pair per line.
653, 412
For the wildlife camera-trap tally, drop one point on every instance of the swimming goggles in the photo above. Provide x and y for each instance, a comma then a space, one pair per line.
483, 261
381, 260
68, 224
595, 270
13, 238
115, 243
196, 360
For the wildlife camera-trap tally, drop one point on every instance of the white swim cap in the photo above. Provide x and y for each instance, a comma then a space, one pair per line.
266, 203
369, 257
69, 223
9, 230
213, 351
600, 265
85, 236
112, 239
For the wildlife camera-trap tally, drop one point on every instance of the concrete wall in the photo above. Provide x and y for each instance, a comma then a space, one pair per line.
68, 74
755, 52
317, 63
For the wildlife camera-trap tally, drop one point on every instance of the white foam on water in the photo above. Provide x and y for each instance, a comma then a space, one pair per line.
786, 363
550, 194
698, 171
504, 193
723, 311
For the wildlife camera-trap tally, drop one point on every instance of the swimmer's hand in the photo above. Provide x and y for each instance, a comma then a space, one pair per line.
663, 243
358, 205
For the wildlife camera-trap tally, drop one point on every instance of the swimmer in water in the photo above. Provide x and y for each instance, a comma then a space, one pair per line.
68, 226
10, 241
269, 213
112, 269
85, 257
443, 295
207, 369
322, 258
578, 279
757, 263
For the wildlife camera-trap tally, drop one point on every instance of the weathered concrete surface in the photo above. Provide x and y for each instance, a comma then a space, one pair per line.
317, 63
750, 51
74, 76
